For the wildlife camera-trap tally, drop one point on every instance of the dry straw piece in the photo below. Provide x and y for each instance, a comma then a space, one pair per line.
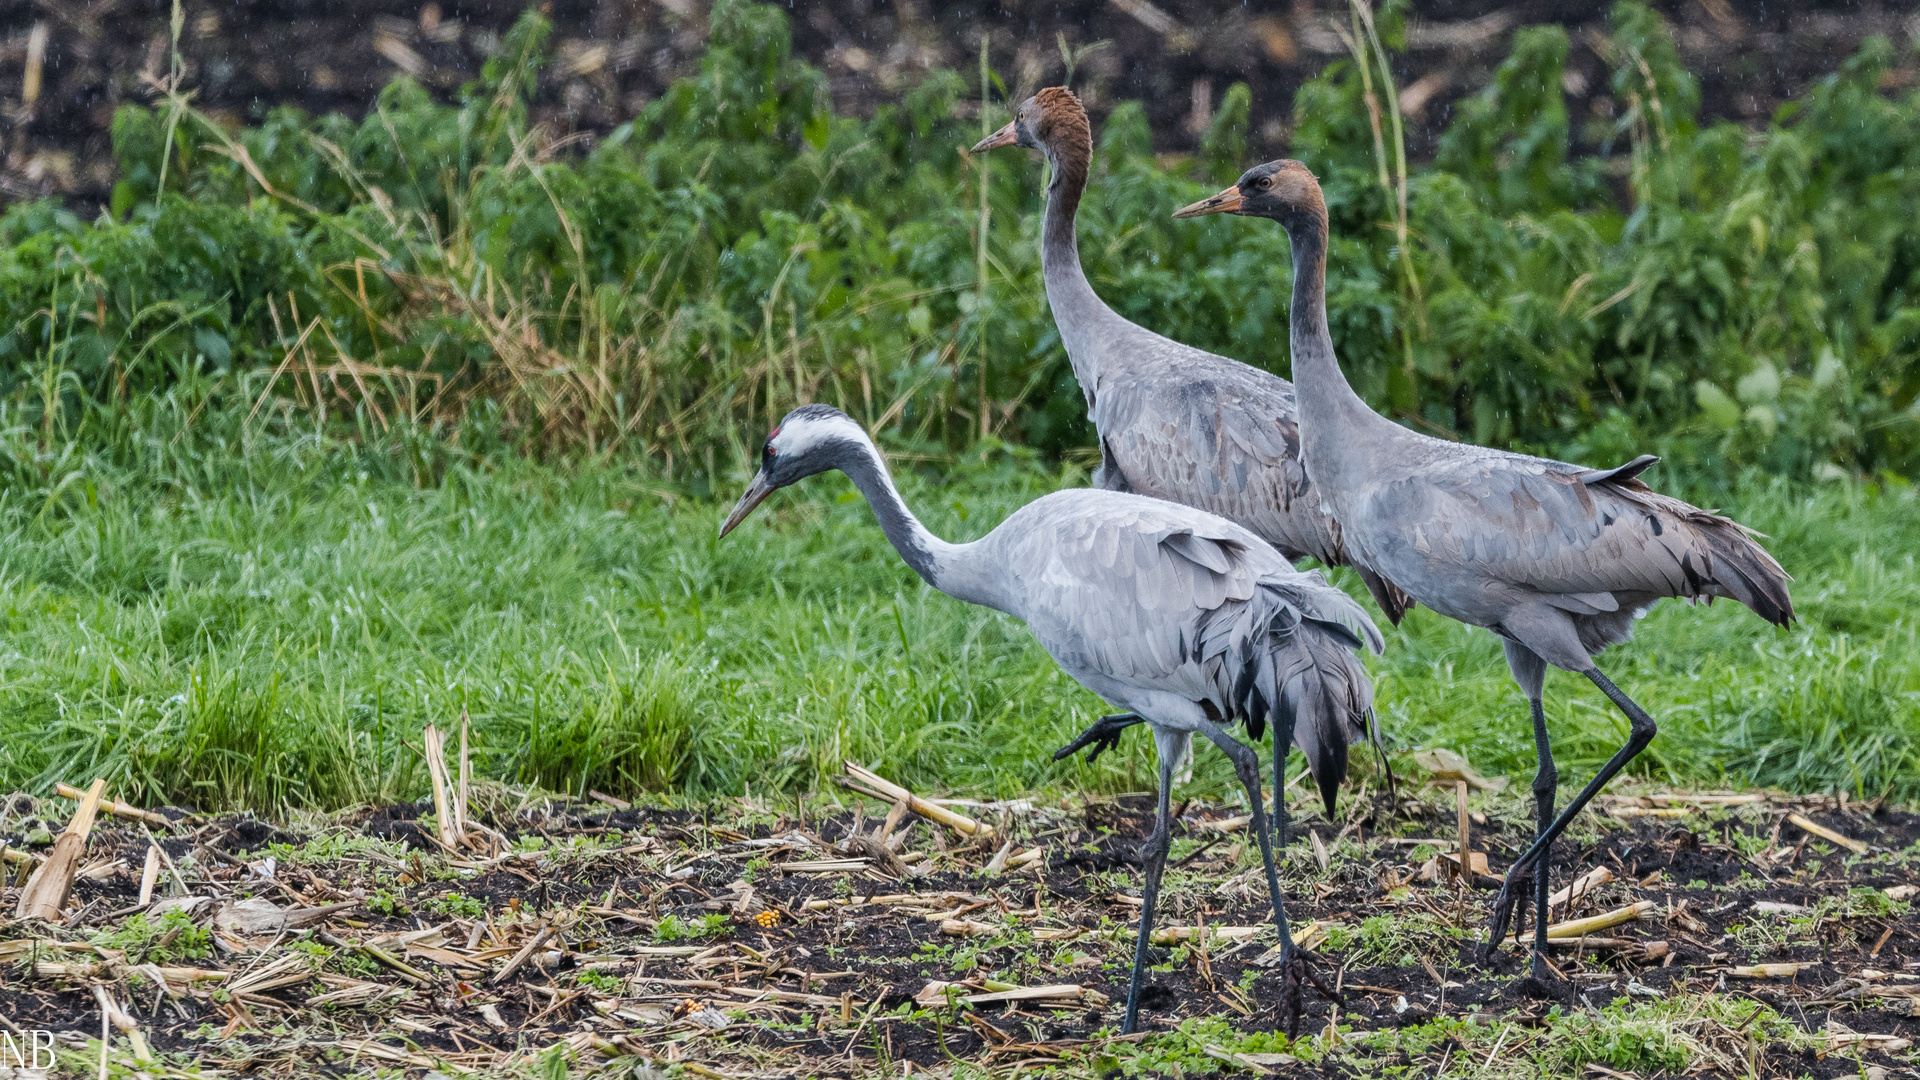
46, 891
873, 784
1858, 847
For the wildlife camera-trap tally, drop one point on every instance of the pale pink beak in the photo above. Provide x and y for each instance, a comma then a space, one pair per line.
1227, 202
1006, 136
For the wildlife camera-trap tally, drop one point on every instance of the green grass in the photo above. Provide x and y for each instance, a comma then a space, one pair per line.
269, 624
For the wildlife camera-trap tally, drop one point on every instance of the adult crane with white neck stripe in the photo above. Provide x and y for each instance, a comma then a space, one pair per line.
1556, 559
1175, 422
1184, 618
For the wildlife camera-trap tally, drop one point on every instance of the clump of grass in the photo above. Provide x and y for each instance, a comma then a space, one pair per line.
1399, 938
1648, 1036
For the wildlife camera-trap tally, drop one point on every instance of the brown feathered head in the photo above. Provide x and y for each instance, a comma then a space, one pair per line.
1283, 190
1052, 120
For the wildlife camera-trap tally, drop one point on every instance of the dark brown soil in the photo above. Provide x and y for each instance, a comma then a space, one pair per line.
613, 56
626, 889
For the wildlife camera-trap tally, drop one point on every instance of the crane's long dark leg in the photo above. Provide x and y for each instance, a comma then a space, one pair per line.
1294, 961
1103, 734
1172, 746
1282, 744
1640, 731
1546, 785
1530, 671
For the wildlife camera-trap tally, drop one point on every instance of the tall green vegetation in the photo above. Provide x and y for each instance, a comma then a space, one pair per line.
1707, 292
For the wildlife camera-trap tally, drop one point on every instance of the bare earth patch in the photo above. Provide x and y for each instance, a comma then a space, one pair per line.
740, 938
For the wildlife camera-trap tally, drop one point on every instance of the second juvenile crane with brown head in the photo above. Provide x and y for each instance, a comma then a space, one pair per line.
1556, 559
1174, 422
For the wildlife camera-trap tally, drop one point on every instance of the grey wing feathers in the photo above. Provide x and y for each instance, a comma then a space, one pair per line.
1394, 602
1159, 596
1580, 536
1290, 650
1274, 661
1731, 563
1619, 472
1217, 435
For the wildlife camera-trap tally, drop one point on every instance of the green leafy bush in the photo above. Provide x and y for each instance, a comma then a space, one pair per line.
737, 248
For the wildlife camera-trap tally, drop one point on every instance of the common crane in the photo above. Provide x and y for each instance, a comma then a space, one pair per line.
1182, 617
1556, 559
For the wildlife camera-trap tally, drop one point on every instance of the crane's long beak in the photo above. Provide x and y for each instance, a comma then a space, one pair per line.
1006, 136
1227, 202
757, 493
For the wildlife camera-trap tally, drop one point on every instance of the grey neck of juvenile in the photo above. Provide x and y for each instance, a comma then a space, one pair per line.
1076, 308
947, 567
1325, 395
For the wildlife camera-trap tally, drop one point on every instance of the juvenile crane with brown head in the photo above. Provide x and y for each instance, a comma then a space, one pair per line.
1175, 422
1556, 559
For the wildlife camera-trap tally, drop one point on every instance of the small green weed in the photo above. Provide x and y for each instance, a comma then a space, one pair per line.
674, 928
170, 938
598, 980
1184, 1050
458, 905
387, 903
340, 962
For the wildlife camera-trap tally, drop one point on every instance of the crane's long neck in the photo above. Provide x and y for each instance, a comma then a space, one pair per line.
1076, 308
954, 569
1330, 412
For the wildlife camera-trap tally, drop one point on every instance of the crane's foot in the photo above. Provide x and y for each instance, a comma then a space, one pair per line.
1297, 974
1103, 735
1509, 908
1542, 971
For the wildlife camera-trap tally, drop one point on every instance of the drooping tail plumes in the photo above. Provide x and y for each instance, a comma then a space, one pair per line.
1306, 666
1330, 696
1727, 561
1744, 571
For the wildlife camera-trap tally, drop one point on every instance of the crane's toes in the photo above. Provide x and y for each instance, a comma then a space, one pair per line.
1107, 741
1509, 907
1102, 735
1298, 973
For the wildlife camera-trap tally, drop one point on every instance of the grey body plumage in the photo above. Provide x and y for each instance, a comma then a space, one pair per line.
1177, 615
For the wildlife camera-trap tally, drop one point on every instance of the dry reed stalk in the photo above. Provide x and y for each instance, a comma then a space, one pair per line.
46, 891
116, 807
446, 818
1858, 847
888, 791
